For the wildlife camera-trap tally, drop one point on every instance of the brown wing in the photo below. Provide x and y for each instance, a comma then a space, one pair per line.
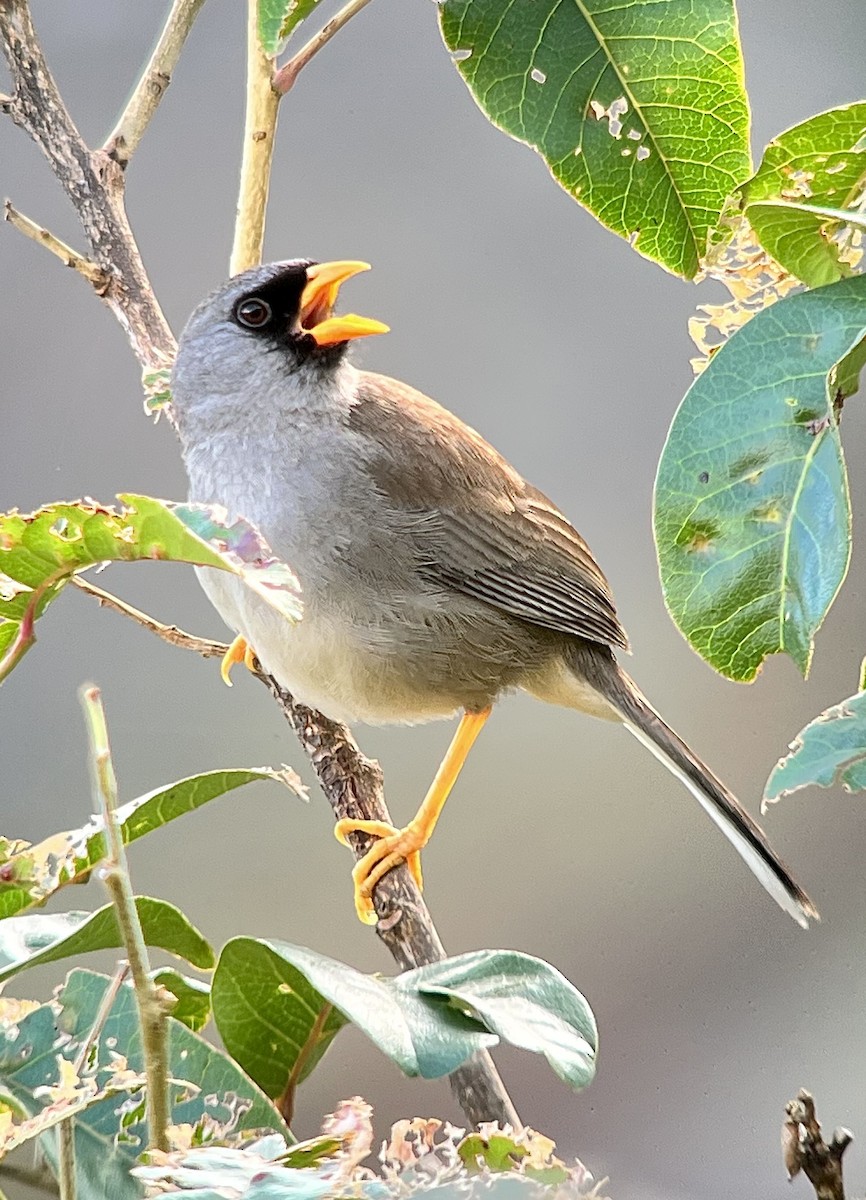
482, 529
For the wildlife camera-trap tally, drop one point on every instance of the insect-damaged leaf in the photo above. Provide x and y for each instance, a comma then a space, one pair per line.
638, 108
208, 1092
41, 551
808, 174
831, 748
751, 506
32, 873
278, 19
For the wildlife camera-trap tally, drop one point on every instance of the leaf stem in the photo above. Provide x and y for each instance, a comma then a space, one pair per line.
152, 1010
260, 126
286, 76
153, 82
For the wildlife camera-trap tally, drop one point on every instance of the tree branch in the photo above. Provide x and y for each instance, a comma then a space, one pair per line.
91, 180
153, 83
804, 1148
94, 275
260, 128
352, 783
285, 78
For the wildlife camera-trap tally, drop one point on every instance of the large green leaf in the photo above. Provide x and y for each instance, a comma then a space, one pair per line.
638, 108
277, 1007
278, 19
210, 1092
39, 938
523, 1000
821, 163
831, 748
29, 874
41, 551
751, 506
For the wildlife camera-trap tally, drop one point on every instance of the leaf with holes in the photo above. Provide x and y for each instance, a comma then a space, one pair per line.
209, 1091
278, 20
41, 938
638, 109
809, 175
277, 1008
752, 518
30, 874
40, 553
831, 749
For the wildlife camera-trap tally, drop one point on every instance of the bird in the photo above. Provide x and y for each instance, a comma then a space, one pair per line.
434, 577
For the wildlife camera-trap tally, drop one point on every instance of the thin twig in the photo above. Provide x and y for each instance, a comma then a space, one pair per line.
260, 127
69, 257
91, 180
168, 633
153, 82
286, 76
152, 1010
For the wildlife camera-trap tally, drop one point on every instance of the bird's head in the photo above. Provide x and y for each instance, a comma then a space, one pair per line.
268, 323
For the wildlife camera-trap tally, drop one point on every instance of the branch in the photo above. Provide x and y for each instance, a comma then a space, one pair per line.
285, 78
150, 997
94, 183
91, 180
352, 784
804, 1149
260, 128
152, 85
94, 275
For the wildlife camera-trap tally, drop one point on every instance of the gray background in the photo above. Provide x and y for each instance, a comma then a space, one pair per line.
512, 306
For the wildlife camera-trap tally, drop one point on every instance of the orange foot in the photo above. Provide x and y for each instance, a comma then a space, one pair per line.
392, 847
238, 651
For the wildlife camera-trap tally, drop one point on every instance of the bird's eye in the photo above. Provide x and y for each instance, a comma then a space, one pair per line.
253, 313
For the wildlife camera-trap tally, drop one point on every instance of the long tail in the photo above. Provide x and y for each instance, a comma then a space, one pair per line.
739, 828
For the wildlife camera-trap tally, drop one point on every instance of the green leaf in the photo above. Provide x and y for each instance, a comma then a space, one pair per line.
209, 1091
638, 108
277, 1008
193, 998
40, 553
831, 748
278, 20
751, 506
30, 874
36, 939
256, 1172
809, 175
523, 1000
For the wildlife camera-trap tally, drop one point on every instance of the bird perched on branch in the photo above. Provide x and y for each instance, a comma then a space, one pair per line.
434, 577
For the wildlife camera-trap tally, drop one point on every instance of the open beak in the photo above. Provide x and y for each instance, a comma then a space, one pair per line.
318, 299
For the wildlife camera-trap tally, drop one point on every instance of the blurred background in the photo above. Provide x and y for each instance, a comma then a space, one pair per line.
511, 306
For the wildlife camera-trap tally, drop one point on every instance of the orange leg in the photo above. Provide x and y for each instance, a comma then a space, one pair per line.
237, 652
405, 845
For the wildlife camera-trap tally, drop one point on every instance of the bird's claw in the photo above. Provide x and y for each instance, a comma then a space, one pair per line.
238, 651
392, 846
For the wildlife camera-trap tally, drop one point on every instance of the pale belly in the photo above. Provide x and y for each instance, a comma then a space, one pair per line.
335, 666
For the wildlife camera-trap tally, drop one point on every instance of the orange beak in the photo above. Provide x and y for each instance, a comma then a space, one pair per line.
318, 299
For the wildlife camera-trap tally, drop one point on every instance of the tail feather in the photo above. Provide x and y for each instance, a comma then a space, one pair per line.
722, 806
